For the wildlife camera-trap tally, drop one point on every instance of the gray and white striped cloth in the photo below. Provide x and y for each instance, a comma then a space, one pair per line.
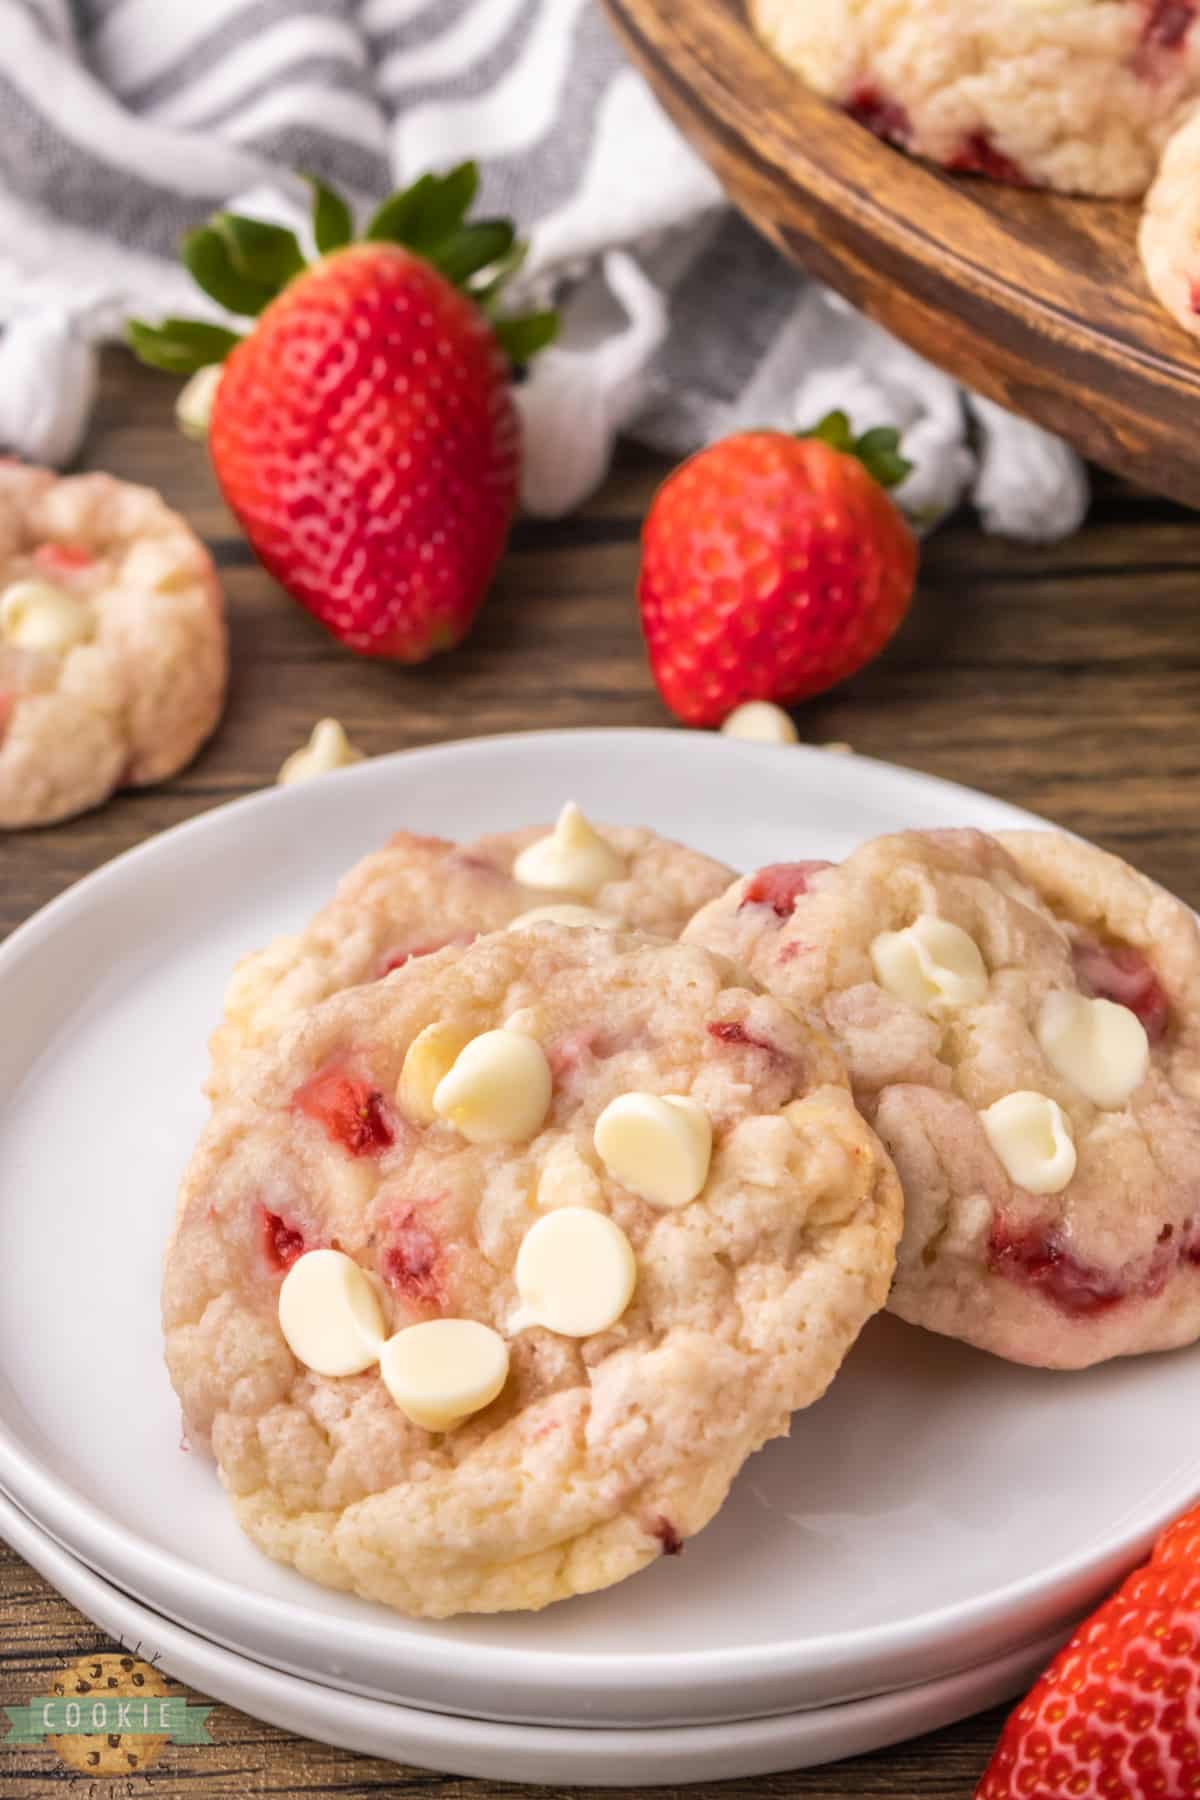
122, 122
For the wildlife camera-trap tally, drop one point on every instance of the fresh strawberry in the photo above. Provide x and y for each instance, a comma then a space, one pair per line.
363, 430
773, 567
1116, 1716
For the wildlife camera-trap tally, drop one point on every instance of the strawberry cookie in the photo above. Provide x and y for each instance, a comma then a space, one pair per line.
1084, 96
1018, 1018
112, 642
419, 894
1078, 95
489, 1277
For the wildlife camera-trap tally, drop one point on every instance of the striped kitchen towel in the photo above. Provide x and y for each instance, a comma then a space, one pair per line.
126, 121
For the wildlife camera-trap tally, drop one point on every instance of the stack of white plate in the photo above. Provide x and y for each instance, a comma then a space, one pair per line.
911, 1554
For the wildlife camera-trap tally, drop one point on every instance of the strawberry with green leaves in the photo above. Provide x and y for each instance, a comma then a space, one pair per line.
773, 566
363, 428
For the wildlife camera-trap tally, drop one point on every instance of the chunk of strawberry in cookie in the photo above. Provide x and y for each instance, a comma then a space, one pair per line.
734, 1033
282, 1242
411, 1261
1120, 973
780, 885
63, 559
351, 1112
1167, 22
667, 1535
979, 156
871, 107
1037, 1255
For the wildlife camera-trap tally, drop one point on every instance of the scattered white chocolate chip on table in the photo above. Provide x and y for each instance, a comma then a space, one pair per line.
330, 1315
193, 407
498, 1089
327, 749
761, 722
574, 859
1099, 1047
1031, 1135
565, 913
38, 615
657, 1145
576, 1272
427, 1061
442, 1371
930, 963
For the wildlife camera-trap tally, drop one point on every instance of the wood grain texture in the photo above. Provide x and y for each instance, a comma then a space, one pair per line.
1067, 680
1035, 299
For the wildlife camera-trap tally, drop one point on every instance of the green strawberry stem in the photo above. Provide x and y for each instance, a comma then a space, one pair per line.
243, 263
878, 450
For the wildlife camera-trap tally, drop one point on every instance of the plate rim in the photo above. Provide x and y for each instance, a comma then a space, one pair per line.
1012, 1672
89, 1532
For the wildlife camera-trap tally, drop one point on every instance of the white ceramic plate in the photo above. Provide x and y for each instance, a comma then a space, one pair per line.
561, 1755
938, 1509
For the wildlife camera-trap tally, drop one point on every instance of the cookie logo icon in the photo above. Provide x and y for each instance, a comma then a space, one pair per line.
110, 1677
109, 1714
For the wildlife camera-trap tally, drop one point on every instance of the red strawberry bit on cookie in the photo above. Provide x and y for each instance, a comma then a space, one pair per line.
1120, 973
63, 559
780, 885
871, 107
1039, 1256
733, 1032
282, 1243
1115, 1715
411, 1262
1167, 22
668, 1536
351, 1113
979, 156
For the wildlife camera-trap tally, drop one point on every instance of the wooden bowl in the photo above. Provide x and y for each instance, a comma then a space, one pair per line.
1034, 299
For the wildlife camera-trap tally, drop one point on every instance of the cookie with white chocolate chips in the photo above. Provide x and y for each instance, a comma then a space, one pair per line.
418, 894
1019, 1018
489, 1277
112, 642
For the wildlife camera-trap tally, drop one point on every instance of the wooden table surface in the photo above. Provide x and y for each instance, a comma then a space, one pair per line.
1065, 679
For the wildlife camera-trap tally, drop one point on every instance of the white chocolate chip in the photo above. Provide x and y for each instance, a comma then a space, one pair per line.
564, 914
498, 1089
442, 1371
930, 963
162, 565
327, 749
1031, 1135
37, 615
329, 1313
574, 859
194, 403
657, 1145
427, 1061
762, 722
576, 1272
1099, 1047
